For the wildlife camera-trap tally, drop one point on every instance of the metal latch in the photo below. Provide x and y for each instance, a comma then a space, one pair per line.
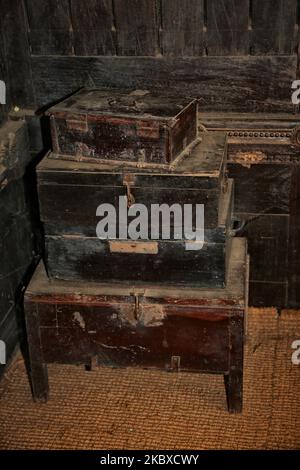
128, 182
175, 363
137, 309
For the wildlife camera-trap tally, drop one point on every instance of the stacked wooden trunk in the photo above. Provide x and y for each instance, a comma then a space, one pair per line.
152, 301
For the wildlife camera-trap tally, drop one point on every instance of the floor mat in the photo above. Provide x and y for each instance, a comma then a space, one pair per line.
138, 409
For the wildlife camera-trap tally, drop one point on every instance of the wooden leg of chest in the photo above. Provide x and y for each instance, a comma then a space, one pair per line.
37, 368
234, 379
234, 391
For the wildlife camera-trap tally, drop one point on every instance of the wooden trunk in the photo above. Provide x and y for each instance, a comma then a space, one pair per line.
148, 326
124, 125
69, 195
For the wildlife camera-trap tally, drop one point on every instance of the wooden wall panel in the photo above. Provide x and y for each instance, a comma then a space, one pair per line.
273, 26
268, 246
93, 27
262, 200
17, 53
227, 27
3, 74
136, 27
17, 242
268, 294
222, 84
153, 27
182, 27
294, 241
50, 29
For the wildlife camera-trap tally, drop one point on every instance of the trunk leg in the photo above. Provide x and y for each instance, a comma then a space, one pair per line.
39, 382
234, 391
37, 367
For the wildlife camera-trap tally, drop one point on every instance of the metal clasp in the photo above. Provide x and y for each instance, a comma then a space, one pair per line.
128, 182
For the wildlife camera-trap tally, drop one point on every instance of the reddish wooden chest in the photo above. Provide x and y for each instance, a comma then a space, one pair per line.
147, 325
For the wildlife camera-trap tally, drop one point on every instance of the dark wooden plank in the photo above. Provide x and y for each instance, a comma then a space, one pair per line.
8, 285
17, 53
261, 188
90, 259
223, 84
49, 27
16, 239
273, 26
267, 237
83, 221
4, 108
294, 289
251, 122
268, 294
137, 28
38, 129
37, 365
9, 331
16, 232
227, 27
294, 240
12, 203
14, 151
93, 27
16, 246
57, 202
234, 380
182, 27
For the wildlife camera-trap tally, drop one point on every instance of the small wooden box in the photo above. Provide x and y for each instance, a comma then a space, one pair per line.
149, 326
122, 125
